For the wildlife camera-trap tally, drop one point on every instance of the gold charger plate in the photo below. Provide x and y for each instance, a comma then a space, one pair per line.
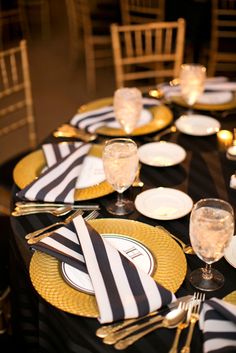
201, 106
170, 269
162, 117
30, 167
231, 298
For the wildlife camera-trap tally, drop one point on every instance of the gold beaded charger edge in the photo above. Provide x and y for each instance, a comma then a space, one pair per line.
170, 266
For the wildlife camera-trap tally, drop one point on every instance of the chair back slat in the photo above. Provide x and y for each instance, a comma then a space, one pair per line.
222, 55
16, 103
142, 11
147, 51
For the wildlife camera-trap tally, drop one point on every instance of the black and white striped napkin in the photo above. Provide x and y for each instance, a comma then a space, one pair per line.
57, 182
218, 323
92, 120
121, 289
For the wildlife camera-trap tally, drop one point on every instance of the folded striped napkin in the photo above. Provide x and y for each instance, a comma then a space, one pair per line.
92, 120
121, 289
57, 182
218, 323
217, 90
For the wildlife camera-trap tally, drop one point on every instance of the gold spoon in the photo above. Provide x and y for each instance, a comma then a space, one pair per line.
137, 181
67, 130
171, 320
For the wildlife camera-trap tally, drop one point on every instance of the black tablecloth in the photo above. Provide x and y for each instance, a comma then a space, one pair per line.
40, 327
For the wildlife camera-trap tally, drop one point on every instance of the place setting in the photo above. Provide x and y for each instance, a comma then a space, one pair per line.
102, 117
217, 94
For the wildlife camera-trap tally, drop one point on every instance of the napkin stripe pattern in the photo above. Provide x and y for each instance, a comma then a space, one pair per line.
122, 290
218, 322
57, 183
92, 120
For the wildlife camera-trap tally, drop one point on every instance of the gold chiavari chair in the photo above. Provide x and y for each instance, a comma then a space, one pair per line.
94, 21
222, 53
17, 124
159, 44
141, 11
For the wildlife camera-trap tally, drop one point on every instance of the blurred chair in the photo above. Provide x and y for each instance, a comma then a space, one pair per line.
222, 53
13, 16
151, 52
38, 12
94, 22
141, 11
17, 124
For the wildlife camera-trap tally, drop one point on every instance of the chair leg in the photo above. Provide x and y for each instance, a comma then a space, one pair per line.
5, 311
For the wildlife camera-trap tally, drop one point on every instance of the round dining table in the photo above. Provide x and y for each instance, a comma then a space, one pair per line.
205, 172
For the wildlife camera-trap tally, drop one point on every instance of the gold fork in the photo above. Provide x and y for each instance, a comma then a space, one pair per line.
42, 230
194, 317
92, 215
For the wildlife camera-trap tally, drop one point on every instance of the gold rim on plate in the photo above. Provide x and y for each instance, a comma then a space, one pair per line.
162, 116
201, 106
30, 167
170, 270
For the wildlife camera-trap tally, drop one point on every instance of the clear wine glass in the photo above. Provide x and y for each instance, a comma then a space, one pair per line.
192, 79
120, 161
127, 105
211, 230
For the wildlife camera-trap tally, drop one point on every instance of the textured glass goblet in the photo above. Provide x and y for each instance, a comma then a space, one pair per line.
192, 79
211, 230
120, 161
128, 105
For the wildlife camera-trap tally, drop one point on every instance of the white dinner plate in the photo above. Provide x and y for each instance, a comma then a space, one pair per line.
133, 249
215, 97
230, 252
197, 125
161, 154
163, 203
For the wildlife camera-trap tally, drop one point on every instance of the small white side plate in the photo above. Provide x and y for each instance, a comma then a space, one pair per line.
197, 125
230, 252
131, 248
161, 154
163, 203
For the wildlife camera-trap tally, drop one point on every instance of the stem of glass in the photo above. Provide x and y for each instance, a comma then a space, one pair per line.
119, 202
207, 272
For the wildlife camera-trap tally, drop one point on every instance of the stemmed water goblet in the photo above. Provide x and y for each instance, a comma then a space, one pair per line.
120, 161
211, 230
127, 105
192, 78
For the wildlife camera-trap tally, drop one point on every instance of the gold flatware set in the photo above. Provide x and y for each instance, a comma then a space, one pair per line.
60, 209
42, 233
184, 313
69, 131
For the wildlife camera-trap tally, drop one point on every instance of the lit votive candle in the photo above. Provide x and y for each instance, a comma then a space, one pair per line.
225, 139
